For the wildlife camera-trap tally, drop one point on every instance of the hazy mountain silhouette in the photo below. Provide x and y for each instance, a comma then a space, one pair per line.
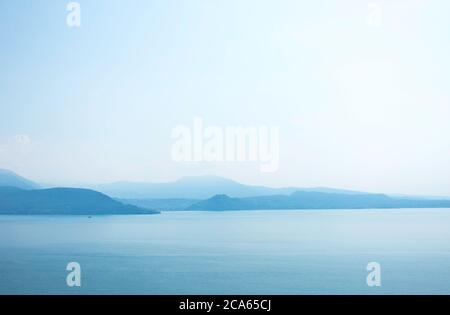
189, 193
314, 200
10, 179
198, 187
62, 201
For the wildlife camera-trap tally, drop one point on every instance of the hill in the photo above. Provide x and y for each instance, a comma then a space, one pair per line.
315, 200
62, 201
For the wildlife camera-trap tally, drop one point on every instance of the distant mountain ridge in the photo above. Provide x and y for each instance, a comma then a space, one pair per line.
198, 187
10, 179
188, 193
314, 200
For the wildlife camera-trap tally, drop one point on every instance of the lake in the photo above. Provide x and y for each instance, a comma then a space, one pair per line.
241, 252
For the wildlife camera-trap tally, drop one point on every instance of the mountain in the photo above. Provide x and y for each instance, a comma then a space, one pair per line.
194, 187
11, 179
62, 201
315, 200
194, 193
198, 187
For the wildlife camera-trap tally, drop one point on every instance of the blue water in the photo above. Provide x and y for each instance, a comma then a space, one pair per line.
246, 252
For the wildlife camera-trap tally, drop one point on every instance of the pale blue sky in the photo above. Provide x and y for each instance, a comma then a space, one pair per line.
359, 106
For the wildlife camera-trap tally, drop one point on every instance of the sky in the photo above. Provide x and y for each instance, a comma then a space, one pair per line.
359, 90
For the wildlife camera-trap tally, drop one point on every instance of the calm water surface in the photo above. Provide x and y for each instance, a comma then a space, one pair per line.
246, 252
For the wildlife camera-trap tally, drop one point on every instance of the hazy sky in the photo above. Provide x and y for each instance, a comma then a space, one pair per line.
360, 90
